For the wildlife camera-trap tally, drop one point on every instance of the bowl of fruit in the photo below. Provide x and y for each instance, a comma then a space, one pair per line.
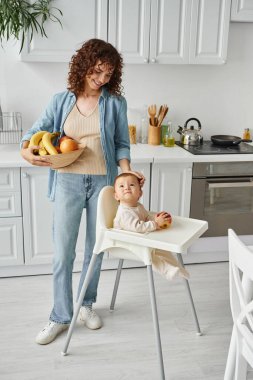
64, 154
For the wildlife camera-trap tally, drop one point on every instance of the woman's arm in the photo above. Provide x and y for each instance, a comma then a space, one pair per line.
44, 123
124, 165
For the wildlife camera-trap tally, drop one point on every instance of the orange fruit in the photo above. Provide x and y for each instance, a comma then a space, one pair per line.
68, 145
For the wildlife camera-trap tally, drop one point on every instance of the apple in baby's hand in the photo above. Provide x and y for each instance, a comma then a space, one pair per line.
167, 221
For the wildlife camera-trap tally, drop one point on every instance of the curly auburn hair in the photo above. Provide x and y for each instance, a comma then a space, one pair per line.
84, 61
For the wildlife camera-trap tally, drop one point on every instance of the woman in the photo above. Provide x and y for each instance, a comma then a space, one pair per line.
93, 112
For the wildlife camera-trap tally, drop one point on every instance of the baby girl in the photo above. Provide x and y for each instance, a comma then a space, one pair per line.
132, 216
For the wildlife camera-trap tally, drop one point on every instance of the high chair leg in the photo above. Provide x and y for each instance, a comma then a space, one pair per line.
79, 303
155, 319
116, 284
187, 285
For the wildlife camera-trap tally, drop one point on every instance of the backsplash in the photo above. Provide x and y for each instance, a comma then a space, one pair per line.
220, 96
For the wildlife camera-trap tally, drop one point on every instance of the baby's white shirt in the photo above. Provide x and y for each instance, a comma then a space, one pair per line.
136, 219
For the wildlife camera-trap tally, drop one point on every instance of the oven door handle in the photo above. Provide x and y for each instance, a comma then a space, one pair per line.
219, 185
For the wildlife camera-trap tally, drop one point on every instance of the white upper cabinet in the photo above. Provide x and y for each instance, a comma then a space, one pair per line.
242, 10
170, 31
128, 29
82, 20
150, 31
144, 31
209, 31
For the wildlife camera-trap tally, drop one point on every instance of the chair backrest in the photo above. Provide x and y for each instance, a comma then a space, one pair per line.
106, 208
241, 291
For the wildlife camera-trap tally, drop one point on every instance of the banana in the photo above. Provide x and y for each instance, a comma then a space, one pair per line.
47, 142
35, 139
42, 150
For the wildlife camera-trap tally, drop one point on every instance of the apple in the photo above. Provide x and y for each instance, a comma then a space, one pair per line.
168, 221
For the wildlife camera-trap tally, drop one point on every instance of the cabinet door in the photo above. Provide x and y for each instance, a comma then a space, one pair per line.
170, 31
242, 10
171, 188
38, 218
128, 28
82, 20
11, 238
10, 198
10, 204
10, 179
209, 31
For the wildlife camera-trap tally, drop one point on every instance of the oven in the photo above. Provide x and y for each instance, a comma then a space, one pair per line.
222, 194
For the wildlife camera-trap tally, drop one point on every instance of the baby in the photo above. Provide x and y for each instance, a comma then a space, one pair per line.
132, 216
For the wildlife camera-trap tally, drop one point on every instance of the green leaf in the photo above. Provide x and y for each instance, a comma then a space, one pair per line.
19, 18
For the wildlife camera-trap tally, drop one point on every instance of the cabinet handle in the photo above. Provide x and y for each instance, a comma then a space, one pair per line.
25, 175
153, 60
145, 60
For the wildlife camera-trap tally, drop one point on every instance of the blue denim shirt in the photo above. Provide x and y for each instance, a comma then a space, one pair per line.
113, 129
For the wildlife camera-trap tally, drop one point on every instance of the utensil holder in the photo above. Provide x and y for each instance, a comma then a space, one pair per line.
154, 135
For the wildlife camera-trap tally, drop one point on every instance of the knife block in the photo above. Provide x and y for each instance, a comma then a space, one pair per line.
154, 135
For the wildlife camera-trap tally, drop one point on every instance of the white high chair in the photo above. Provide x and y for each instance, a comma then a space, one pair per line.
241, 302
135, 246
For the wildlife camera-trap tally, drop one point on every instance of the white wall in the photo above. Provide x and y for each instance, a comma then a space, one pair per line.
221, 96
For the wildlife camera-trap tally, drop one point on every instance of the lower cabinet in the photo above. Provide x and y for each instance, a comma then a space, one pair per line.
171, 188
11, 238
38, 218
11, 231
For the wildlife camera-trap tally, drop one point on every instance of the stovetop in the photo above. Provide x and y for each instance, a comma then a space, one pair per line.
209, 148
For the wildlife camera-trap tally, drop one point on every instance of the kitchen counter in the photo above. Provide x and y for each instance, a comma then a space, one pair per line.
162, 154
140, 153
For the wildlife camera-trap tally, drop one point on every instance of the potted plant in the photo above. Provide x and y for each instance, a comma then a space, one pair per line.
19, 18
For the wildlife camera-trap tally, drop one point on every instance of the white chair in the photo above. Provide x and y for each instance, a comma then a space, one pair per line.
241, 302
135, 246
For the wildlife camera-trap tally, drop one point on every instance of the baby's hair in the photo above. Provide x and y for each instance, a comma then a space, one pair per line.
125, 175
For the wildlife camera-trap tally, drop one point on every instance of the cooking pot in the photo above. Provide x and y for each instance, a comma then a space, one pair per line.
190, 136
227, 140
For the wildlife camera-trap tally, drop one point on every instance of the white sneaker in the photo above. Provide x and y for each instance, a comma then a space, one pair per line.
50, 332
90, 318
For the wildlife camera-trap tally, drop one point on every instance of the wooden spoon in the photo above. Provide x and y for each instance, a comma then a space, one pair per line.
152, 113
164, 111
159, 112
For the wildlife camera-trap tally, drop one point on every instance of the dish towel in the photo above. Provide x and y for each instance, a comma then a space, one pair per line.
164, 263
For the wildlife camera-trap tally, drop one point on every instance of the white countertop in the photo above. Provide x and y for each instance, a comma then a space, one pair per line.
161, 154
140, 153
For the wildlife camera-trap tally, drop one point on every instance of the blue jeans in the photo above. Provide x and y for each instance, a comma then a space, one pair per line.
74, 192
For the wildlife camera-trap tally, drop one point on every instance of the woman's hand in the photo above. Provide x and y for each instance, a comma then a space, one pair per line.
125, 168
139, 175
28, 154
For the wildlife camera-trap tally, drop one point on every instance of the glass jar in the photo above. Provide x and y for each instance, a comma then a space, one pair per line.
144, 130
168, 138
132, 134
246, 134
